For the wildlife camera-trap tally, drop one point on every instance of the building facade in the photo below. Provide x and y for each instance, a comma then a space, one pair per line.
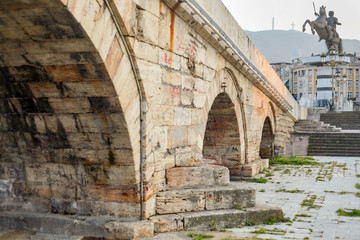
314, 84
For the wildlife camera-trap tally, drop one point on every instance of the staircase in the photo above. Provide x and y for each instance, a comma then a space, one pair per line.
334, 144
202, 198
313, 126
344, 120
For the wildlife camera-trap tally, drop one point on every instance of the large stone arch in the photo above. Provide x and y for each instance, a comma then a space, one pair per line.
70, 109
224, 111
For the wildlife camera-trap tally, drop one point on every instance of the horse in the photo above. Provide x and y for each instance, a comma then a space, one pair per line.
325, 32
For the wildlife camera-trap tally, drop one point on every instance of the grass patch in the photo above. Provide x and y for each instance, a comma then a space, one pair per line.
199, 236
274, 231
348, 213
259, 180
247, 238
238, 207
269, 174
290, 191
249, 223
272, 220
294, 160
302, 215
287, 171
357, 194
358, 175
357, 186
310, 202
278, 169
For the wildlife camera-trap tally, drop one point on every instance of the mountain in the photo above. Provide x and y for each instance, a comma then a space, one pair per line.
283, 46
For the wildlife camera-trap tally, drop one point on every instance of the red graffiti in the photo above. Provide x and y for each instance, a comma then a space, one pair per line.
174, 91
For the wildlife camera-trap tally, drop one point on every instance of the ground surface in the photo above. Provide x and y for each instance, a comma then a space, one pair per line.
331, 185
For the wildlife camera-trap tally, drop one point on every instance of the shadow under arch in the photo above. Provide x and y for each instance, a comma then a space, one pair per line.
267, 140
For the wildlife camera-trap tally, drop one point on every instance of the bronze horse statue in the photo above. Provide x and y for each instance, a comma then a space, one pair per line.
320, 25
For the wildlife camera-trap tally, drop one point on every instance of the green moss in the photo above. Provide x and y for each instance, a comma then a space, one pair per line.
294, 160
198, 236
348, 213
357, 186
290, 191
357, 194
302, 215
259, 180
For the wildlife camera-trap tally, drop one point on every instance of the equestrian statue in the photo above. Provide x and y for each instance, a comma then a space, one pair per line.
326, 29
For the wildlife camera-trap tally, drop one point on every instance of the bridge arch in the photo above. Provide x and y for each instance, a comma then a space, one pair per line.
224, 139
267, 139
71, 111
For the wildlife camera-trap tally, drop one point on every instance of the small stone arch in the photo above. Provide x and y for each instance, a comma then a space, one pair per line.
267, 140
224, 139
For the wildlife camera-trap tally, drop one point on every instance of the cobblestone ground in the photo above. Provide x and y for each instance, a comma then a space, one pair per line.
331, 185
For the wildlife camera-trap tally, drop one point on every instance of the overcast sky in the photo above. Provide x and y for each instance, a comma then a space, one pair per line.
257, 15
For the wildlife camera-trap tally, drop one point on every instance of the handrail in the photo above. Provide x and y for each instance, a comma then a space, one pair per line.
198, 10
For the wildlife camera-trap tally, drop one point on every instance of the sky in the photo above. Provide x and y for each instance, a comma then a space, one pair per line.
257, 15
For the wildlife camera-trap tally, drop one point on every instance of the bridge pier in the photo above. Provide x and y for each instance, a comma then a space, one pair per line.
100, 102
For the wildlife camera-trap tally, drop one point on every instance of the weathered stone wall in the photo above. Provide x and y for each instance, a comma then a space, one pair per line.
70, 102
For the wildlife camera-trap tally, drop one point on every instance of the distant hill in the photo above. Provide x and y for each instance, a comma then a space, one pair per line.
283, 46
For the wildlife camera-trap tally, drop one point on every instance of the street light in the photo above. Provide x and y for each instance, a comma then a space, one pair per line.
337, 78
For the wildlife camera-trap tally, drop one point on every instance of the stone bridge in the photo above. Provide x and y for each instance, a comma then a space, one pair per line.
100, 99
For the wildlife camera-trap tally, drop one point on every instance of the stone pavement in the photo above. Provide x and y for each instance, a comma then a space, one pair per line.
331, 185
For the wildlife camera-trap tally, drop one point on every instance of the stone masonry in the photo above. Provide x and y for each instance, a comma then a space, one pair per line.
82, 82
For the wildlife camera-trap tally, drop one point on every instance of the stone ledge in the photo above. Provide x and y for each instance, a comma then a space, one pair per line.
206, 220
213, 198
106, 227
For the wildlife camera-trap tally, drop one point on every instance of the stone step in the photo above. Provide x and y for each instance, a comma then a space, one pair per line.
211, 198
73, 225
210, 220
321, 145
333, 154
204, 175
44, 236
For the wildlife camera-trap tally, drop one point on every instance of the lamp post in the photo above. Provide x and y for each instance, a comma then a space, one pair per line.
336, 78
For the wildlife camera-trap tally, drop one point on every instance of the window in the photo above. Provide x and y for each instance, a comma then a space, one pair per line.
357, 83
310, 72
349, 94
349, 71
357, 94
295, 73
350, 83
295, 85
357, 71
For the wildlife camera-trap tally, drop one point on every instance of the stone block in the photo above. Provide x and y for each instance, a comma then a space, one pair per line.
180, 201
168, 223
184, 157
182, 116
147, 26
199, 99
253, 168
197, 176
126, 230
229, 197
